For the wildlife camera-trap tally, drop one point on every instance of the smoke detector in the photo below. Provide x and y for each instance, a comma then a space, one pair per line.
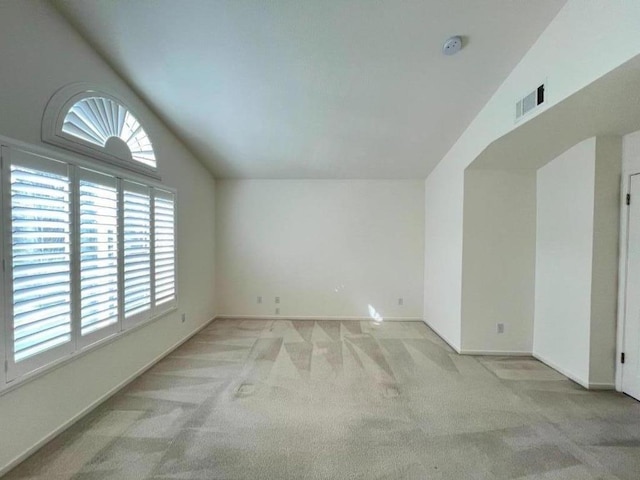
452, 45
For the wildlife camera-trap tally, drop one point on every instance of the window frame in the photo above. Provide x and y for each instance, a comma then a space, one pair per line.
16, 374
4, 327
53, 120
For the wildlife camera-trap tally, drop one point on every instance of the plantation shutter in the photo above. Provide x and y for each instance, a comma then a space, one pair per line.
86, 254
40, 210
165, 249
137, 252
98, 204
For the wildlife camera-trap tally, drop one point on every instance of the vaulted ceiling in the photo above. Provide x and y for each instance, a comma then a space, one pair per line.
313, 88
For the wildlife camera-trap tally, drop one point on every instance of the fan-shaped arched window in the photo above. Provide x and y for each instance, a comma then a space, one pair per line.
98, 119
97, 124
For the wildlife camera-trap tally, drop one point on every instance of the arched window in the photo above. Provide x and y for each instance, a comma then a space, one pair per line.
92, 240
99, 125
99, 120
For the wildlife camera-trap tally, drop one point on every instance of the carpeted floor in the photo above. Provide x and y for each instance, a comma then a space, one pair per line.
250, 399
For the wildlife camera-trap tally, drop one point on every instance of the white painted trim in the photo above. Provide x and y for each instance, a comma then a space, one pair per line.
446, 340
5, 220
67, 156
622, 273
315, 317
47, 438
580, 381
627, 172
505, 353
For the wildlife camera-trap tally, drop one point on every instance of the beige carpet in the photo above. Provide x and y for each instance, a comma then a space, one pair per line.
345, 400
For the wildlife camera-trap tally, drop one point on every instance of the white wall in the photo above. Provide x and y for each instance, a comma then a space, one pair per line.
39, 54
578, 205
499, 261
631, 153
604, 286
327, 248
595, 37
444, 198
564, 246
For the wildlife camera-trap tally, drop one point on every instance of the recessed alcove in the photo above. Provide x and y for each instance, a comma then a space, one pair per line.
508, 207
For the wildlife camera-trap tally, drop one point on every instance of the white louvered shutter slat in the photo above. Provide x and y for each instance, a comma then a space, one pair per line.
40, 255
98, 201
137, 250
164, 248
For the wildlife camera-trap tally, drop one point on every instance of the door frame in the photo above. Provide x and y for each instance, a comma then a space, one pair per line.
629, 170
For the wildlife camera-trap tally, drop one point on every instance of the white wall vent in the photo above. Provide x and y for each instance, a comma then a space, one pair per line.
529, 102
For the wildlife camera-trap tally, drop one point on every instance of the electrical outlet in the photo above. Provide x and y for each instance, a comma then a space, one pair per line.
259, 300
401, 301
277, 311
277, 299
184, 317
500, 327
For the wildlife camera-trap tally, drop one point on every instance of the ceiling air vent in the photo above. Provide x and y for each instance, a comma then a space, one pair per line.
529, 102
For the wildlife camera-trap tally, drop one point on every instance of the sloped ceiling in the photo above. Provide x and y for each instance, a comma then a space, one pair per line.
313, 88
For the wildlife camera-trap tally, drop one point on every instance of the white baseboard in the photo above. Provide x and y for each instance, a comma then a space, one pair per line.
316, 317
446, 340
497, 353
601, 386
47, 438
570, 375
